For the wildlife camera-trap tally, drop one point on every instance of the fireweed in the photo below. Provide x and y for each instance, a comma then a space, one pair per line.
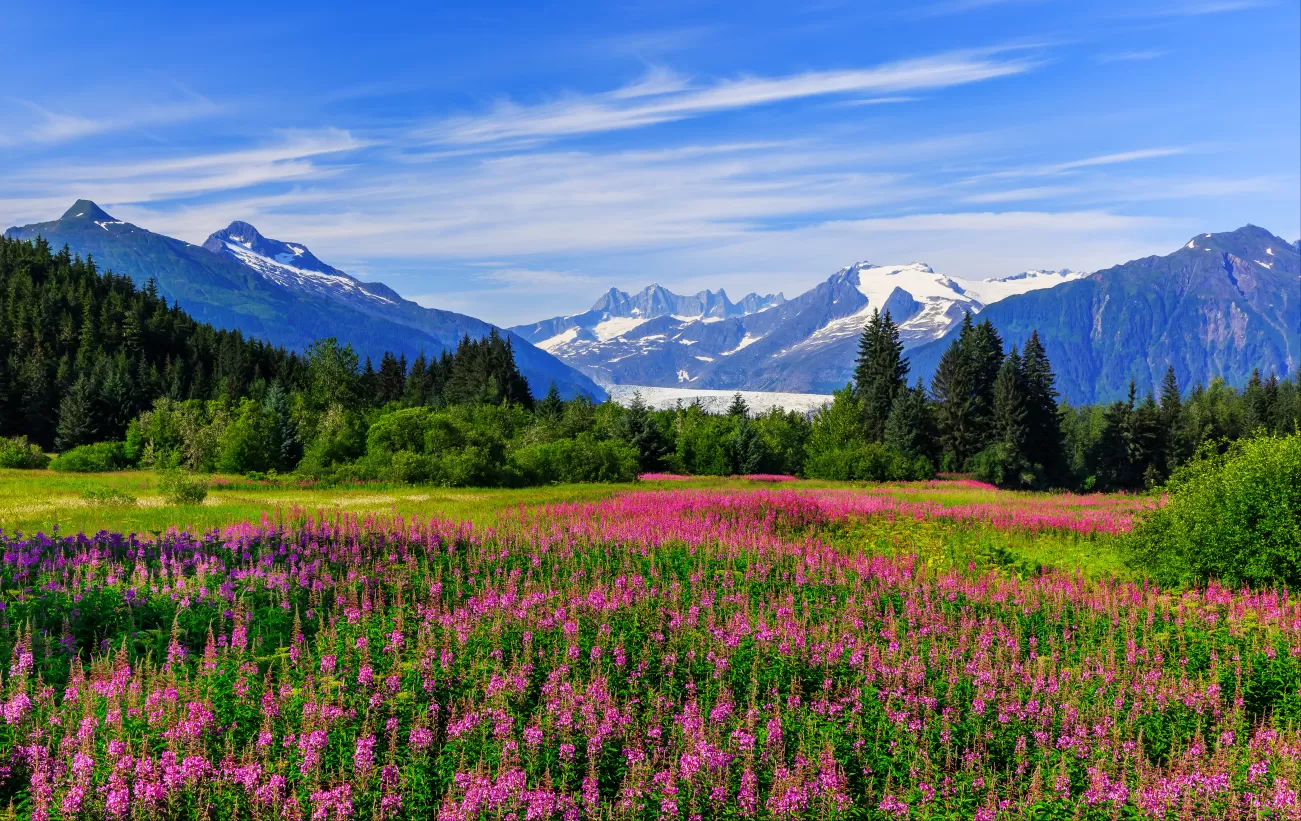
669, 654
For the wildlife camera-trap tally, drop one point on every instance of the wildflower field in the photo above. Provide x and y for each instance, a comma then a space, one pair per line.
747, 650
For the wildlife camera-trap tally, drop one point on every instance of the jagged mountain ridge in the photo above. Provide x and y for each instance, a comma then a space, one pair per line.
287, 300
767, 343
1219, 306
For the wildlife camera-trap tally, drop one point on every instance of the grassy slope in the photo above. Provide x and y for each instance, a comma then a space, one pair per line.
32, 501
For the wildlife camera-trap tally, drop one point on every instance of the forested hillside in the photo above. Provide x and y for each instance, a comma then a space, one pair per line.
70, 330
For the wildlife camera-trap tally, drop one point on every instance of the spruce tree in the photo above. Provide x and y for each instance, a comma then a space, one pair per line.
745, 447
1045, 443
880, 375
637, 427
1172, 421
391, 379
416, 392
911, 426
76, 416
955, 407
1010, 412
984, 351
282, 433
738, 408
552, 407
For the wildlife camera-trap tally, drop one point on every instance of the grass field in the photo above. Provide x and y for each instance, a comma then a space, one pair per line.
43, 501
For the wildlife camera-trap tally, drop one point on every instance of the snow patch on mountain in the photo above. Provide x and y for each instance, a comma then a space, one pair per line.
290, 275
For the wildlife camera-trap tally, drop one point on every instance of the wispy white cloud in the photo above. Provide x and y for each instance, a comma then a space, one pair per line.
666, 97
1054, 169
142, 181
1041, 192
41, 124
1129, 56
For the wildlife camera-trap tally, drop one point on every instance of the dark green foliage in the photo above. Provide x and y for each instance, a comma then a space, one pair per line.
76, 416
868, 462
17, 453
100, 457
956, 410
1044, 440
745, 447
911, 426
1233, 516
552, 407
738, 408
880, 375
484, 371
583, 459
639, 429
63, 324
838, 450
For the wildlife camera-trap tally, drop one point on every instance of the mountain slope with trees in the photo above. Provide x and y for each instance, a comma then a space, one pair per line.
1222, 306
243, 294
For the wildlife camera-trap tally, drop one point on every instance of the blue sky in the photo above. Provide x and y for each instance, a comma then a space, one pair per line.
513, 161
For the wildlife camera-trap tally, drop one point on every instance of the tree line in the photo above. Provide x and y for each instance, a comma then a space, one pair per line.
996, 413
111, 376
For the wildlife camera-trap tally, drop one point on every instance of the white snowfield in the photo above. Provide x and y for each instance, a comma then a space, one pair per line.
717, 401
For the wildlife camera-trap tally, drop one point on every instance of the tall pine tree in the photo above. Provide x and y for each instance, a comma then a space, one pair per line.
880, 375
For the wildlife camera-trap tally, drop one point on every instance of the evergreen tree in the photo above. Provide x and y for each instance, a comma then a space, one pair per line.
637, 427
1045, 443
911, 426
391, 378
955, 407
738, 408
745, 447
552, 407
881, 373
418, 390
1010, 410
76, 416
282, 433
1172, 422
983, 349
1115, 451
1148, 446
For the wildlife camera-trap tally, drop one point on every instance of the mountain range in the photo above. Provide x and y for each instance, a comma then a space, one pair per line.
1219, 306
807, 344
1222, 305
281, 292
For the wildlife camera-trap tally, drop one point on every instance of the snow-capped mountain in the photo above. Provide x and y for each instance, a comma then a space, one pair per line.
617, 313
808, 343
292, 265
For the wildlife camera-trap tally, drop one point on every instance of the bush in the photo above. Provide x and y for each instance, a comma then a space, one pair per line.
18, 453
180, 488
1235, 517
100, 457
582, 459
1003, 466
871, 462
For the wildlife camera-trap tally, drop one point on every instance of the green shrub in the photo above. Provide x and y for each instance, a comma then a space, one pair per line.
871, 462
180, 488
1235, 517
100, 457
582, 459
1002, 465
108, 496
20, 454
